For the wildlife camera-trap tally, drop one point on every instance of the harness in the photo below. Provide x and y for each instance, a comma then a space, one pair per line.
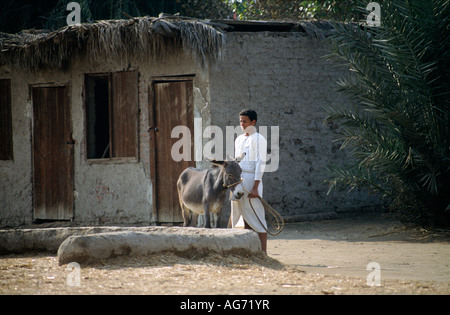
234, 184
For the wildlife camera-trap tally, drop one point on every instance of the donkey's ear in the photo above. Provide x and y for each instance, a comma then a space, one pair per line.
215, 162
229, 158
240, 157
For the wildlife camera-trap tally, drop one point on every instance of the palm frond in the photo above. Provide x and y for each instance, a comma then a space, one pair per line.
397, 126
352, 177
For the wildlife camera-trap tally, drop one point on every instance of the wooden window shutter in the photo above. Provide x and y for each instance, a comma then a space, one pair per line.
124, 114
6, 139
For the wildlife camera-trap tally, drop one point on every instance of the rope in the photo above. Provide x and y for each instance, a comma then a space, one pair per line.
234, 184
276, 220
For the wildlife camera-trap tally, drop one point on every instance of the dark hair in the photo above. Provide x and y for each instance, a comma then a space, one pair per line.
250, 113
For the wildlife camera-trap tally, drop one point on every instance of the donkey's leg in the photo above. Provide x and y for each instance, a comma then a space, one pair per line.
207, 215
186, 213
218, 218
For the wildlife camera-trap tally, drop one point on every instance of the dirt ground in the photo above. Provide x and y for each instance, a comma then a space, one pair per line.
324, 257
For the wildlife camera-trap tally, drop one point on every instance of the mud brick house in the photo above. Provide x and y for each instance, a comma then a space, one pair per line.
87, 113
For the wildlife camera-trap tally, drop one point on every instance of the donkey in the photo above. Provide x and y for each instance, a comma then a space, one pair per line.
204, 191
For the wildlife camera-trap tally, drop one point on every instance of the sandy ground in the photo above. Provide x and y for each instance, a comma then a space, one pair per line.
325, 257
347, 246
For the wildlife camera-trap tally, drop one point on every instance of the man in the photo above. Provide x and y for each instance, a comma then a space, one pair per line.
255, 147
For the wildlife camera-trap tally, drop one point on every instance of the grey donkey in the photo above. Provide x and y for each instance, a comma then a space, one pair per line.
204, 191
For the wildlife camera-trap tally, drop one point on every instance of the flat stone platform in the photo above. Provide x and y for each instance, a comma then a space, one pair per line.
90, 244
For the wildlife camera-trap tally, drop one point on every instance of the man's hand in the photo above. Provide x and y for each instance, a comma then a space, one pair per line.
254, 192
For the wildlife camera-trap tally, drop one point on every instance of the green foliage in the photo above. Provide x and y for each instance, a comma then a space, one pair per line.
206, 9
398, 130
295, 9
17, 15
94, 10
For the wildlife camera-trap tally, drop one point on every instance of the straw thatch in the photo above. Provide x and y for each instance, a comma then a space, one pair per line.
143, 37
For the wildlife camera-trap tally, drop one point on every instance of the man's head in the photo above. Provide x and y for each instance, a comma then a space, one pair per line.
247, 120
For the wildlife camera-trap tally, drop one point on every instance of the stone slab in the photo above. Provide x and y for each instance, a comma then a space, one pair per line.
85, 249
110, 241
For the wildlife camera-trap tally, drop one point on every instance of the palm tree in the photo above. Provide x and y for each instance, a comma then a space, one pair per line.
398, 128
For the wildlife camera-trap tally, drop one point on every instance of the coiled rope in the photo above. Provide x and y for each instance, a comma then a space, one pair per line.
276, 220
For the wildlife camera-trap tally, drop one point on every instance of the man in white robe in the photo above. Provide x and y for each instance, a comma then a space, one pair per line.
255, 147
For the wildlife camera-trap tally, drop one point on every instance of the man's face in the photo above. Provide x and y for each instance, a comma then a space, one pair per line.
245, 123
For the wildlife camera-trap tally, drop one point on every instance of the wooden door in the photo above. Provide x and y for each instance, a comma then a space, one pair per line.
52, 154
173, 106
124, 117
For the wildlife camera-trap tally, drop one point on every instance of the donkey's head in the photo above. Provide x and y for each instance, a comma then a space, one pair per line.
231, 174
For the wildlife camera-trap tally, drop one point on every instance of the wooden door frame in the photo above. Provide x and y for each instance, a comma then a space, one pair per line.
152, 137
68, 94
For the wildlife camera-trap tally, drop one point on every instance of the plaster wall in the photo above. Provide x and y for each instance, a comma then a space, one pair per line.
285, 79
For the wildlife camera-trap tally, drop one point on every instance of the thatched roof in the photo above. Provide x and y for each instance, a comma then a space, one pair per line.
143, 37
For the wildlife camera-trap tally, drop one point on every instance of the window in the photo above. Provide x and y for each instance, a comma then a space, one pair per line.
6, 144
97, 116
111, 115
